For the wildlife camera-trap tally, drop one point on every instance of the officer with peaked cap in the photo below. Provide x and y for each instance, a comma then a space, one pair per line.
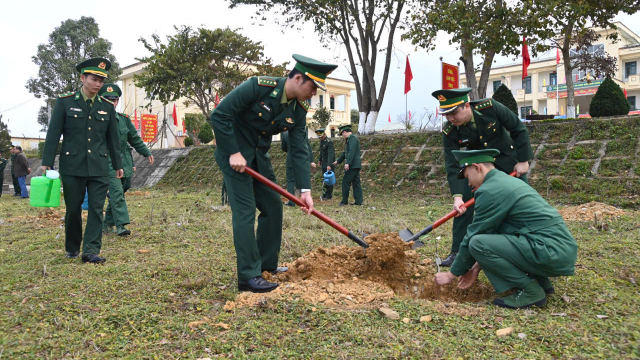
244, 123
477, 125
325, 161
516, 237
352, 166
117, 212
89, 128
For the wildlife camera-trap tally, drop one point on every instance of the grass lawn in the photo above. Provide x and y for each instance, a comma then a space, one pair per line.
178, 268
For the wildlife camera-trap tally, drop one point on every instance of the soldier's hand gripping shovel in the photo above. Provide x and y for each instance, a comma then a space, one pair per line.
407, 235
298, 202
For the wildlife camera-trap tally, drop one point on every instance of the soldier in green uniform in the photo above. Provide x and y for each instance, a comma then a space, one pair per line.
244, 123
516, 237
117, 212
476, 125
325, 161
14, 179
352, 165
89, 128
290, 178
3, 165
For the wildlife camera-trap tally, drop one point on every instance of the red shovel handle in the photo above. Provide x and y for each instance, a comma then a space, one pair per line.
299, 202
454, 213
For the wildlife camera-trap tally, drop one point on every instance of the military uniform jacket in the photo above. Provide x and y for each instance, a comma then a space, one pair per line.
497, 127
250, 115
327, 153
13, 163
508, 206
284, 141
3, 165
90, 136
351, 153
129, 135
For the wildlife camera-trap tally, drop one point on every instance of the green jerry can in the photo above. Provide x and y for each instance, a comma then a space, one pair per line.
45, 190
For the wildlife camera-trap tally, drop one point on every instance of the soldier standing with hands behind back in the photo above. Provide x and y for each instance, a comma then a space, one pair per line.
325, 161
89, 128
478, 125
352, 165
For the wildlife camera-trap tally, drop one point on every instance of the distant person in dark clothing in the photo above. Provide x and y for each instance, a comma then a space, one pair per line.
3, 165
22, 170
14, 179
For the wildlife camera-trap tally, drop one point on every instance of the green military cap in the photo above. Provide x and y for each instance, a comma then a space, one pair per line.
450, 99
344, 128
97, 66
11, 146
314, 69
110, 91
469, 157
320, 131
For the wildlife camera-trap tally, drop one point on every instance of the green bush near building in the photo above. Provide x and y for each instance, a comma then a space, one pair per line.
609, 100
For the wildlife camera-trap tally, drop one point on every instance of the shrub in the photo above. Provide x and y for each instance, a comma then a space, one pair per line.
206, 134
609, 100
505, 97
188, 142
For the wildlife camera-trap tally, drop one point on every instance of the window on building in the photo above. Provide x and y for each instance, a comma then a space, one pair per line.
332, 103
553, 79
179, 132
321, 102
630, 68
333, 132
595, 50
527, 85
524, 111
632, 102
496, 85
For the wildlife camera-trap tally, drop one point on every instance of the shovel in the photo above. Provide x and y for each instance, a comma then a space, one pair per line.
298, 202
407, 235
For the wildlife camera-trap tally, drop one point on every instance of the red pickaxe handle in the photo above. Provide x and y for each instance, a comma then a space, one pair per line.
299, 202
448, 217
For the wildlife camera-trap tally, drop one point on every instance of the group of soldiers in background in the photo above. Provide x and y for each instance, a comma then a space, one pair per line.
20, 166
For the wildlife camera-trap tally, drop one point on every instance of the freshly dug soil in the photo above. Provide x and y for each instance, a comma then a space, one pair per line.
585, 212
349, 277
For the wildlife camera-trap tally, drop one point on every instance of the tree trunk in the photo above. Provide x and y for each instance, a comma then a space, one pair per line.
371, 122
571, 109
484, 75
469, 71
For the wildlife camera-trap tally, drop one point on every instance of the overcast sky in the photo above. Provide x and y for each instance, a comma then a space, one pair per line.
26, 24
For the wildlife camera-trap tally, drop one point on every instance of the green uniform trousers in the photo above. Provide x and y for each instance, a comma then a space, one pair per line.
290, 177
16, 185
117, 212
327, 190
463, 221
255, 252
1, 183
352, 176
74, 190
505, 265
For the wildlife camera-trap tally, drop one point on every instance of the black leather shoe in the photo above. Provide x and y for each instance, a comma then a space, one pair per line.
257, 285
549, 291
93, 258
278, 270
449, 260
73, 254
342, 204
356, 204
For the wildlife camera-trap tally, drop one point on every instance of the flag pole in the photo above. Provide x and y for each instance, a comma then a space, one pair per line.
441, 74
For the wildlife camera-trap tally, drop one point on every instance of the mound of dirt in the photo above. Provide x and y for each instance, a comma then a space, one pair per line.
586, 212
138, 193
349, 277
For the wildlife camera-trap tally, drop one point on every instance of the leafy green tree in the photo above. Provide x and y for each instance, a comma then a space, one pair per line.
355, 116
322, 116
359, 26
505, 97
193, 123
188, 142
206, 134
69, 44
480, 28
5, 137
198, 64
609, 100
568, 25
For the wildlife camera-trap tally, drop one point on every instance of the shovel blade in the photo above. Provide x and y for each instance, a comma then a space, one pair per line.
405, 234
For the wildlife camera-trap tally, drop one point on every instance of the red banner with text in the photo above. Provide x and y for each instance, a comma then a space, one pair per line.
577, 92
450, 76
149, 127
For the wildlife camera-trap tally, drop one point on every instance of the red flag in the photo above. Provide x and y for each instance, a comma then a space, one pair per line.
409, 115
389, 117
217, 101
576, 77
557, 56
175, 115
408, 76
526, 60
625, 93
436, 113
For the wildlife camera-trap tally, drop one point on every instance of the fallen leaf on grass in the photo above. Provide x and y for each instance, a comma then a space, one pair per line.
143, 251
222, 325
504, 332
102, 334
229, 306
558, 314
426, 318
522, 336
499, 319
600, 301
566, 299
163, 341
602, 316
406, 320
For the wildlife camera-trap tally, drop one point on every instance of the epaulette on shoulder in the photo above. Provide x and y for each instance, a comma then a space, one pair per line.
66, 95
447, 128
107, 100
482, 104
265, 81
304, 104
